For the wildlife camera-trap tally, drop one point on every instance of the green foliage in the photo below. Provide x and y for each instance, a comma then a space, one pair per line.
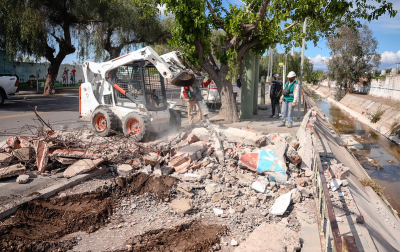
340, 93
375, 117
119, 25
353, 56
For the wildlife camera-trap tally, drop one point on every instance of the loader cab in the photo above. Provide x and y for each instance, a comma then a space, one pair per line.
142, 81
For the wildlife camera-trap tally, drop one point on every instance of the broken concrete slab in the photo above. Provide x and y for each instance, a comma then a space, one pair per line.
335, 184
12, 170
82, 166
22, 179
192, 177
192, 150
124, 170
5, 159
217, 197
24, 154
201, 133
75, 153
243, 136
181, 206
245, 179
192, 138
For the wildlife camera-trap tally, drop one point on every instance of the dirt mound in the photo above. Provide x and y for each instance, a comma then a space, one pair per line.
142, 183
50, 219
37, 224
193, 236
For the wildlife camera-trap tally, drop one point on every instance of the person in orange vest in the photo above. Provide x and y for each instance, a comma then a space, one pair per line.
191, 103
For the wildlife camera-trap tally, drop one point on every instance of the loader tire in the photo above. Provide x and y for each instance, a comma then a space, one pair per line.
175, 119
103, 121
136, 126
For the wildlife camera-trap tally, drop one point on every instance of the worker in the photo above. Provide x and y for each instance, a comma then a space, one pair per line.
289, 99
275, 94
191, 102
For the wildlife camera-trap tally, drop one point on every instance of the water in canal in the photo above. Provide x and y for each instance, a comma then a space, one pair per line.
378, 155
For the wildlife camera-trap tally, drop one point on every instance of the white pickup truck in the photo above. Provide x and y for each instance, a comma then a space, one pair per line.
8, 86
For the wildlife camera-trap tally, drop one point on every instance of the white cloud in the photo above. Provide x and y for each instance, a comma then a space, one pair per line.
319, 61
389, 59
162, 8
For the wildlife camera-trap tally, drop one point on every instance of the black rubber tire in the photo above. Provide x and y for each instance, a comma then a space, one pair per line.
140, 121
109, 118
3, 96
175, 119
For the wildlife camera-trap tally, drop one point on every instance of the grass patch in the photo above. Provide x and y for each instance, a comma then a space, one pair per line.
374, 185
376, 116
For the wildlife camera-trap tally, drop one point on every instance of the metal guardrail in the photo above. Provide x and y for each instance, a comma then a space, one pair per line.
331, 239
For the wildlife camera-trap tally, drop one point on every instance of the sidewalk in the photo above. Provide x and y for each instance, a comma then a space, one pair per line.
34, 94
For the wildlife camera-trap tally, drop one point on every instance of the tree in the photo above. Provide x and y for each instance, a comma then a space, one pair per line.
119, 24
353, 56
44, 28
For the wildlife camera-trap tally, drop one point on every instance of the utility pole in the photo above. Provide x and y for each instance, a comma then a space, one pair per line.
301, 67
284, 70
270, 68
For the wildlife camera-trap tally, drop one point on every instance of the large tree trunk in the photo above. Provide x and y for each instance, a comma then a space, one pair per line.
225, 89
52, 72
114, 52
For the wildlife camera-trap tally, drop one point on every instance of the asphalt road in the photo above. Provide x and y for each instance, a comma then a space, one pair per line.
61, 112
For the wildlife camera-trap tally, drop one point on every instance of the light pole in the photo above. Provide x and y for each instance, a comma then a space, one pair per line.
301, 66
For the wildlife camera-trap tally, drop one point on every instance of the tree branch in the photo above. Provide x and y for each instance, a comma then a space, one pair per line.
247, 46
219, 22
291, 25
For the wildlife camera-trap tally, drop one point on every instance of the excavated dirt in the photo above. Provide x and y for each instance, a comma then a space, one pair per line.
38, 224
193, 236
142, 183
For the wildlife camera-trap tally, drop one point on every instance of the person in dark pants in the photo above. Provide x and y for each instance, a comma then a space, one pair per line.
275, 94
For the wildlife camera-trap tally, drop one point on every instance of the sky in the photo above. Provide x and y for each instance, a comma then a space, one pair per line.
386, 30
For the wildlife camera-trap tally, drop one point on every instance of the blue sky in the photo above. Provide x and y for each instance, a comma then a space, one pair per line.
386, 30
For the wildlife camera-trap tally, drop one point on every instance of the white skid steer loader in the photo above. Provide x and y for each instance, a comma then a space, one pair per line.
128, 93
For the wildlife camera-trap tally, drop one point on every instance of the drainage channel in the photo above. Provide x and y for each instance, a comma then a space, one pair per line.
379, 156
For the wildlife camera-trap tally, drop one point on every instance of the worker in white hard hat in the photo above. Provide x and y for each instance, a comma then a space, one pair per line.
275, 94
289, 99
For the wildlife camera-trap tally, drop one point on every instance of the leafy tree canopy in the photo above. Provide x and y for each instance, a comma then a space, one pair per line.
353, 56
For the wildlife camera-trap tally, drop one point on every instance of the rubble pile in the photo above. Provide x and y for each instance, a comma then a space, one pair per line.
240, 177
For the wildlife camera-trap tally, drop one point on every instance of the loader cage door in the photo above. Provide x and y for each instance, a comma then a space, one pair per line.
143, 81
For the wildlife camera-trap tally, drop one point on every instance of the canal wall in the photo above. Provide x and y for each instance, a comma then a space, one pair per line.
361, 109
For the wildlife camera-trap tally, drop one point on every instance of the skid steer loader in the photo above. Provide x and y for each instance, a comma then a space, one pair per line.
128, 93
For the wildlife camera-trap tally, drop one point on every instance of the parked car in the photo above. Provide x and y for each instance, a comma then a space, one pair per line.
8, 86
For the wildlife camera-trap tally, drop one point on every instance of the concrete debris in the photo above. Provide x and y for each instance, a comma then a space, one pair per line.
124, 170
22, 179
42, 152
181, 206
24, 153
218, 211
151, 159
12, 170
338, 171
180, 162
82, 166
191, 177
192, 138
5, 159
281, 204
146, 170
75, 153
201, 133
243, 136
234, 242
260, 185
66, 161
335, 184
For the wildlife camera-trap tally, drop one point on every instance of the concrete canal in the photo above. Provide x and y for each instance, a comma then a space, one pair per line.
379, 156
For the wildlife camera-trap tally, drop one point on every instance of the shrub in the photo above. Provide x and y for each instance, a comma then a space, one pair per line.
340, 93
376, 116
374, 185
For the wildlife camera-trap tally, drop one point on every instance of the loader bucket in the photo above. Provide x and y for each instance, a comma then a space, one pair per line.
183, 79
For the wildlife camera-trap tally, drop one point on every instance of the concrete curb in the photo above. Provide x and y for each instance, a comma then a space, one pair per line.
39, 96
52, 190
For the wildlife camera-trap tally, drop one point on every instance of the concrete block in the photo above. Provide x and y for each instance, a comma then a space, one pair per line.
82, 166
180, 162
124, 170
12, 170
201, 133
243, 136
293, 156
192, 150
22, 179
294, 144
181, 206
